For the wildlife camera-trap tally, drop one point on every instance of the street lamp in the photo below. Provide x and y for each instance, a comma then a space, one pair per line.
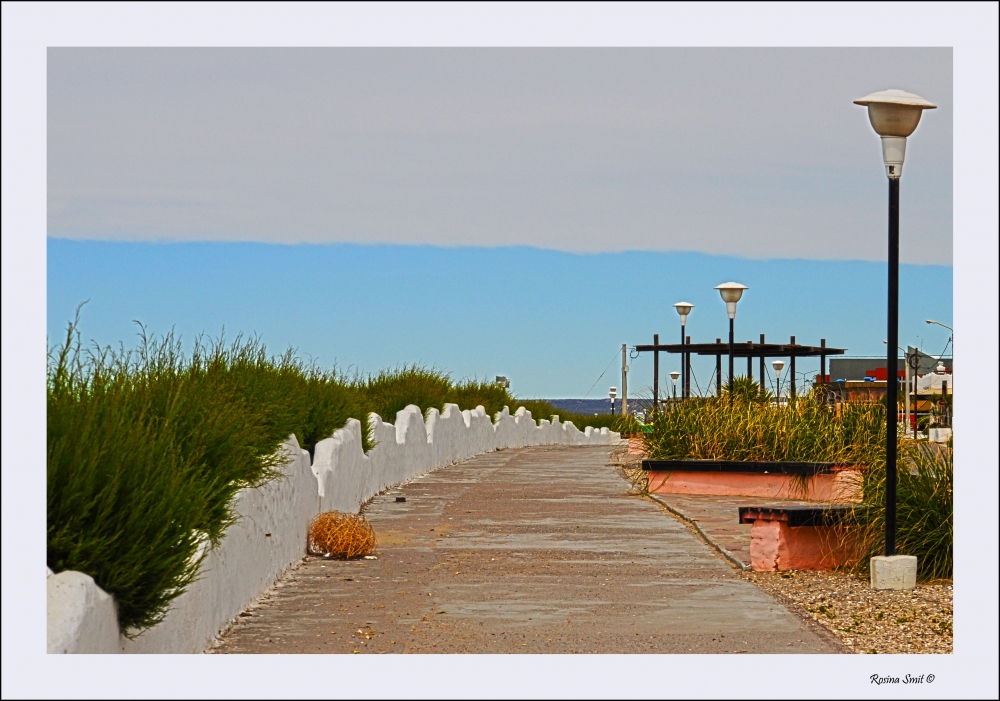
683, 309
613, 392
673, 376
731, 293
894, 115
950, 338
778, 365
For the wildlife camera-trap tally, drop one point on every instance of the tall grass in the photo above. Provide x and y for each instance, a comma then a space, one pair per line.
924, 511
803, 430
148, 447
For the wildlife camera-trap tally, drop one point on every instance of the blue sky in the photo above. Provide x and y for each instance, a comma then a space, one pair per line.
550, 320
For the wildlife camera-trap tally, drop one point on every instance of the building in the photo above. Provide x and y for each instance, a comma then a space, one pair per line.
856, 369
930, 389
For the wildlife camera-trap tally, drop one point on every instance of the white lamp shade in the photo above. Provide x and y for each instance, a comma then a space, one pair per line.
674, 375
683, 308
894, 112
779, 365
613, 392
731, 291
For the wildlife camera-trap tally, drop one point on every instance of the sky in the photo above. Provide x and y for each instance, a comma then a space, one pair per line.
753, 152
491, 211
552, 321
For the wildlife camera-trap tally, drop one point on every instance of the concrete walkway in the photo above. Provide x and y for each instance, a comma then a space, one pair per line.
523, 551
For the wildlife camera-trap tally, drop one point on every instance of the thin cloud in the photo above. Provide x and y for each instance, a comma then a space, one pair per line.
749, 152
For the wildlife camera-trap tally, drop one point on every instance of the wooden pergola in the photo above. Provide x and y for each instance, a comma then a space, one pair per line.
748, 350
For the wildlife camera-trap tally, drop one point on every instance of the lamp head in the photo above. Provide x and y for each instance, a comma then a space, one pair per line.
683, 308
894, 115
613, 392
674, 375
779, 365
731, 293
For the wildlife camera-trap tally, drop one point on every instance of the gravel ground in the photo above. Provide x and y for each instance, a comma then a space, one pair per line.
865, 620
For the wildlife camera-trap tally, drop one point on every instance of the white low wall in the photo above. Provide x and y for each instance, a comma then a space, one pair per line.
270, 535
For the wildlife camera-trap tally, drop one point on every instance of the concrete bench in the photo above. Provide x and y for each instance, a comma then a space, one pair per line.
819, 537
810, 481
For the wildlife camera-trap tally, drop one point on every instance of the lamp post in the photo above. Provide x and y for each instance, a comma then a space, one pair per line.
673, 376
894, 115
613, 392
731, 293
778, 365
683, 309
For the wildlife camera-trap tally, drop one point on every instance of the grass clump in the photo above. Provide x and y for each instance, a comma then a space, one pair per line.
752, 428
340, 535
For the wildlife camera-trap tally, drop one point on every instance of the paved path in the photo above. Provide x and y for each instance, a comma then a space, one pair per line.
523, 551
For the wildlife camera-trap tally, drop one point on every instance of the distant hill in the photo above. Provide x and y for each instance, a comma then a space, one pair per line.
595, 406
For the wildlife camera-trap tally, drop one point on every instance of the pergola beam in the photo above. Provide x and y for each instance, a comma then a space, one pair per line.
745, 350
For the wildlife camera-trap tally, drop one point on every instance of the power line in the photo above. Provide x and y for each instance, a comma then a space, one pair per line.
602, 374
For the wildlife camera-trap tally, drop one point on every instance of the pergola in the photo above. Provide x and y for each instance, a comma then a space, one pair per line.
748, 350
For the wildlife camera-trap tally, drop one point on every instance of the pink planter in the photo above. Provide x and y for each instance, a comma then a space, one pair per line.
839, 485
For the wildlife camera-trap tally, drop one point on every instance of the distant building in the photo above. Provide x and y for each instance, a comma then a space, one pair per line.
856, 369
854, 379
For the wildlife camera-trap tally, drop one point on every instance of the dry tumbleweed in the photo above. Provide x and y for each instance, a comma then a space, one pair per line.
336, 534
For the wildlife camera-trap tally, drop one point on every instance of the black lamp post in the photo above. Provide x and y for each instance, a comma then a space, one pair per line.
894, 115
731, 293
778, 366
683, 309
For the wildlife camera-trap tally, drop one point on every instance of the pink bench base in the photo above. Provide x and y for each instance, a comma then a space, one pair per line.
776, 546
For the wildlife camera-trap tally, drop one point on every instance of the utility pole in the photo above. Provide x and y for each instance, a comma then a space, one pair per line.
910, 354
624, 380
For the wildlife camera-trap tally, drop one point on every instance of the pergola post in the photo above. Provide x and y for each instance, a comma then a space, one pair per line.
656, 373
763, 371
718, 370
822, 362
791, 372
687, 369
